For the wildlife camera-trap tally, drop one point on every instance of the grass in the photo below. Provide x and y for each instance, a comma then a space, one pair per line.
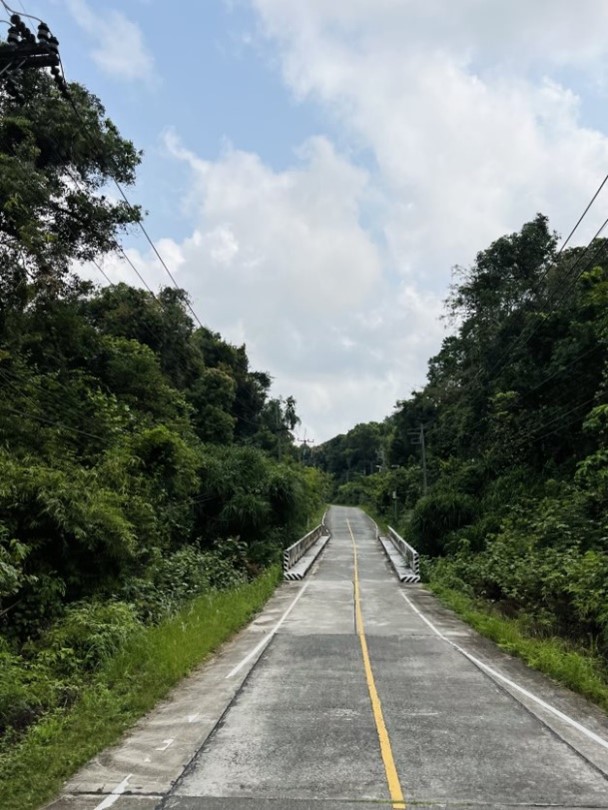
316, 517
578, 669
128, 686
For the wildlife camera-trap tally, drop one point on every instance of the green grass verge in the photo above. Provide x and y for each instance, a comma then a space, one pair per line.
316, 517
129, 685
578, 669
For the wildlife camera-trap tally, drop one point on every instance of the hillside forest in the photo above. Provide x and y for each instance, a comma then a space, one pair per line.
514, 417
142, 461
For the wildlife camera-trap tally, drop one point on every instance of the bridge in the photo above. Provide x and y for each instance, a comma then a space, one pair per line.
354, 690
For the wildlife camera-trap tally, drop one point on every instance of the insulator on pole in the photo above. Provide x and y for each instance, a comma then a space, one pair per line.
44, 33
53, 44
13, 36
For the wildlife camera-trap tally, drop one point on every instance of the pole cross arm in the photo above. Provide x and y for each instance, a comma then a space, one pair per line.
28, 56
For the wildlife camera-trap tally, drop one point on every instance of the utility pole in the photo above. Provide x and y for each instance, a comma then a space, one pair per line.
24, 50
419, 438
303, 444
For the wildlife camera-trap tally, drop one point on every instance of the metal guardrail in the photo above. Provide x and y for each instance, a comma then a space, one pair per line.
297, 550
408, 552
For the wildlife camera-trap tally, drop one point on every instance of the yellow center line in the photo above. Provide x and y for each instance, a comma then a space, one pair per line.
392, 777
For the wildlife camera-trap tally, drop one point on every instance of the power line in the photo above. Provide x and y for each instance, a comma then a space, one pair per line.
23, 13
53, 423
559, 371
51, 44
582, 216
120, 250
103, 272
123, 255
518, 341
558, 254
133, 209
531, 437
36, 405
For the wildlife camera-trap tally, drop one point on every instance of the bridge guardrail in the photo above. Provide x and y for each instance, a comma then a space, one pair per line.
408, 552
298, 549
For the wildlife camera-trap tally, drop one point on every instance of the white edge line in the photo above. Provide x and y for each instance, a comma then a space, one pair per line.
267, 638
499, 676
115, 795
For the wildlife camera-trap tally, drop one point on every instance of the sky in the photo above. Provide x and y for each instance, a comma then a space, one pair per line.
313, 171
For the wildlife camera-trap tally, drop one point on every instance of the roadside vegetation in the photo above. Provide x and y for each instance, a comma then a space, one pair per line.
124, 686
514, 524
148, 479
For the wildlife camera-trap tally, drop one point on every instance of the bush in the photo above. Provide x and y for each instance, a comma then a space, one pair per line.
89, 634
437, 515
26, 691
188, 572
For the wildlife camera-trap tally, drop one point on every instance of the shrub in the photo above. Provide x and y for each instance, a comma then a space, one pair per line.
89, 634
438, 514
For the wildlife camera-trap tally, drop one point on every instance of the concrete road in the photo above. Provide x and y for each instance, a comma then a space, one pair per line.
356, 691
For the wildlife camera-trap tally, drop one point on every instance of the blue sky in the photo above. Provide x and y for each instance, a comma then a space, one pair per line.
206, 80
313, 170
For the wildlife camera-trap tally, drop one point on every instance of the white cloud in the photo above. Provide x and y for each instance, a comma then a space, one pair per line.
468, 139
120, 48
279, 260
333, 272
465, 109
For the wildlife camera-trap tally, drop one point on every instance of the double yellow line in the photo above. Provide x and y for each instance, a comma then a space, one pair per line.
392, 777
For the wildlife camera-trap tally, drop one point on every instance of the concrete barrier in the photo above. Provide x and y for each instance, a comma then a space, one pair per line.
295, 567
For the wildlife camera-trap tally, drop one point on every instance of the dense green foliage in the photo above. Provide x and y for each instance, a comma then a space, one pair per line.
515, 417
142, 461
124, 687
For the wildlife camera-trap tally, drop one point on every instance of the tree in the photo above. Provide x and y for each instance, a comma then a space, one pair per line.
55, 160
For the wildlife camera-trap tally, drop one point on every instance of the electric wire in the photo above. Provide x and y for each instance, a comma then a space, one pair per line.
531, 437
582, 216
52, 423
36, 405
139, 222
103, 272
555, 302
120, 251
20, 13
559, 371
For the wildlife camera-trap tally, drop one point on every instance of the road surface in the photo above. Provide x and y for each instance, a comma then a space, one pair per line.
354, 691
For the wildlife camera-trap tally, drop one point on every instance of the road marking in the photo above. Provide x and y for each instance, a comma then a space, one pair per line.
193, 718
167, 744
115, 795
267, 638
500, 677
392, 777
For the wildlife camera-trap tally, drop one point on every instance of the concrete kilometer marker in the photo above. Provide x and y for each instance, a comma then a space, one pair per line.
500, 677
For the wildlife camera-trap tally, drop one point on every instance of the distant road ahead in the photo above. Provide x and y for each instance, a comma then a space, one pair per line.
365, 698
303, 732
